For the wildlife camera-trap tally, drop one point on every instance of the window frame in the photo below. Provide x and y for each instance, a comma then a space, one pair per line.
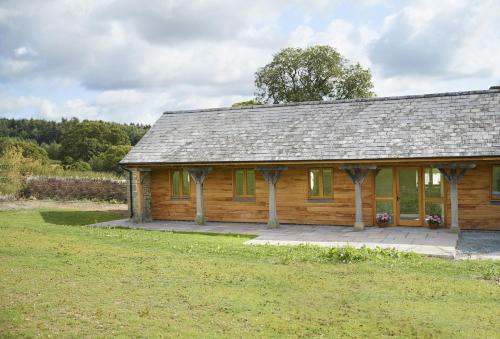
245, 196
493, 197
321, 196
392, 199
182, 195
441, 200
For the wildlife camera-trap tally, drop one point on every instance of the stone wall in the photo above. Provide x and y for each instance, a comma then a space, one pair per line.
75, 188
141, 194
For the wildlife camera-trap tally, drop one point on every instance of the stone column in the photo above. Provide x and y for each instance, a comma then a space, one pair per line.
358, 173
271, 175
453, 173
141, 195
199, 174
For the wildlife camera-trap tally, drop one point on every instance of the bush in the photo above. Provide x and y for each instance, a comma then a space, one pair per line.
97, 164
28, 149
79, 165
349, 254
13, 167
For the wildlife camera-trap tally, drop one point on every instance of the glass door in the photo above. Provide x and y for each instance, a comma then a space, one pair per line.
384, 193
408, 197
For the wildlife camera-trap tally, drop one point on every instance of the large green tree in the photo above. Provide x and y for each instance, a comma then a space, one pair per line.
90, 139
314, 73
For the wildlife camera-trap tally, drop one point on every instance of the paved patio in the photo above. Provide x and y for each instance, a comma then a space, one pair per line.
479, 245
439, 243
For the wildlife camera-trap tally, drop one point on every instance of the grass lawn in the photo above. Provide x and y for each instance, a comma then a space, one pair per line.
58, 278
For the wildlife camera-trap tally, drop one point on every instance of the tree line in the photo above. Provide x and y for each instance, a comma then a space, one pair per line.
74, 144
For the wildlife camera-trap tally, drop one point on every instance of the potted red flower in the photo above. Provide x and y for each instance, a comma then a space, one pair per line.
383, 219
434, 220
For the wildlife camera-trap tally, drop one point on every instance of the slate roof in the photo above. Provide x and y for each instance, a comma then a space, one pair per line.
459, 124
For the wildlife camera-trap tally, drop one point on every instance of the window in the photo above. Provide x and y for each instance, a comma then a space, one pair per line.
495, 183
180, 184
434, 192
320, 183
244, 183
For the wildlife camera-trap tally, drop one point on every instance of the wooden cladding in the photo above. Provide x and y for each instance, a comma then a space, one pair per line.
476, 211
495, 182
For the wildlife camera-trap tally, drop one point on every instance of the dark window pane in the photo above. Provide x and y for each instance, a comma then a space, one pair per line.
250, 182
408, 189
185, 183
327, 182
383, 183
433, 182
176, 183
238, 181
314, 182
496, 181
384, 207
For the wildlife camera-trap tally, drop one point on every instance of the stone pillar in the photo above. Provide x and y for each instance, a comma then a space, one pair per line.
141, 195
358, 173
199, 174
271, 175
453, 173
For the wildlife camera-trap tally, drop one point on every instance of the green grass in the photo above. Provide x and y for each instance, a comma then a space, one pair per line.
58, 278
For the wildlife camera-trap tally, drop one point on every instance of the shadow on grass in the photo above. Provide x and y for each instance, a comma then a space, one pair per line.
78, 218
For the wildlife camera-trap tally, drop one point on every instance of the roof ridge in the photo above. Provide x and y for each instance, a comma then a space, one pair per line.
340, 101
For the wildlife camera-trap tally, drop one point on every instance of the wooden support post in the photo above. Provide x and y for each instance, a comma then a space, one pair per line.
271, 175
358, 173
453, 172
199, 175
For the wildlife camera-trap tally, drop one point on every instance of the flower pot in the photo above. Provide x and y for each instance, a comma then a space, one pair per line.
433, 225
382, 223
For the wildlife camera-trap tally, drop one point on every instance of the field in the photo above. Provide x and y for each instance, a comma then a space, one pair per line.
59, 278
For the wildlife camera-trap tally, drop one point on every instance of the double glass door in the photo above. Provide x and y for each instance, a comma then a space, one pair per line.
408, 194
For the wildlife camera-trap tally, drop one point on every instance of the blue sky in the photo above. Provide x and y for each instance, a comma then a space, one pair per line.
124, 61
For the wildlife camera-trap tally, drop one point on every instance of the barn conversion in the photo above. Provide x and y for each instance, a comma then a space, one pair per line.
341, 162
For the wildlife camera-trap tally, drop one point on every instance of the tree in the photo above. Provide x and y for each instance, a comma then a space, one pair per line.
91, 138
311, 74
246, 103
53, 150
108, 161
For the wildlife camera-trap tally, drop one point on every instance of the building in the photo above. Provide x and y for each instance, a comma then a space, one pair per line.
334, 163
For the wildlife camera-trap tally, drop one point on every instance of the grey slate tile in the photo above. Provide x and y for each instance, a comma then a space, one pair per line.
458, 124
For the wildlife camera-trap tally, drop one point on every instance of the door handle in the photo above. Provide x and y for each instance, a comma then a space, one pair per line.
397, 198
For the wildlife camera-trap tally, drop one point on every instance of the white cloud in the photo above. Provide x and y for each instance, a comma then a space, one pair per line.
134, 61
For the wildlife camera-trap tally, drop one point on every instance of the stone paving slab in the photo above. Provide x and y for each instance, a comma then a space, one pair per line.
479, 245
439, 243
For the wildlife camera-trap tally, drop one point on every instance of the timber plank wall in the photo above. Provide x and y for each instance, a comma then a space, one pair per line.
292, 202
476, 211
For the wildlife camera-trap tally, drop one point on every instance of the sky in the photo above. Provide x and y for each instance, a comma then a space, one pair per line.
129, 61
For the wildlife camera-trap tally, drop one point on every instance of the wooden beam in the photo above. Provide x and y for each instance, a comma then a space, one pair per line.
405, 161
